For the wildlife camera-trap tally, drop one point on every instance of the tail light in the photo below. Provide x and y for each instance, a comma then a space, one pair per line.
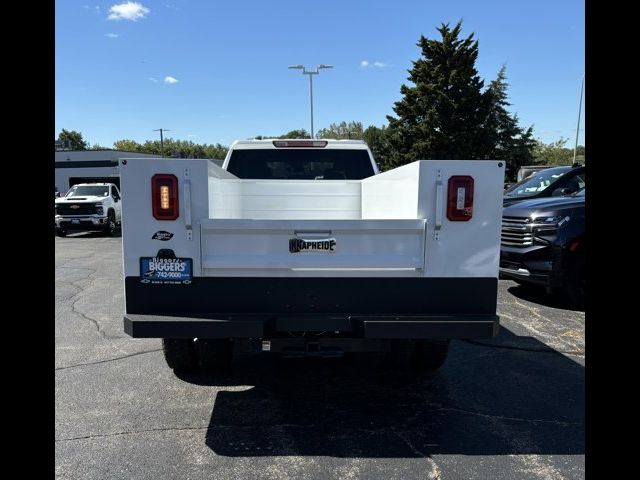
460, 198
164, 196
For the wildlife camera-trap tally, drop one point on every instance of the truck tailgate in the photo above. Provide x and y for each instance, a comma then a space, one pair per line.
245, 245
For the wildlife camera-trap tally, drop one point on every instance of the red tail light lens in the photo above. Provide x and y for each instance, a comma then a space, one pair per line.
460, 198
164, 196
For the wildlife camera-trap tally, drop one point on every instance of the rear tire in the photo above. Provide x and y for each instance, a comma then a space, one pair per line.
180, 354
215, 353
61, 232
419, 356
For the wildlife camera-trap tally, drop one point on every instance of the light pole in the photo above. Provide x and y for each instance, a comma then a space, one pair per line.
161, 139
575, 149
310, 73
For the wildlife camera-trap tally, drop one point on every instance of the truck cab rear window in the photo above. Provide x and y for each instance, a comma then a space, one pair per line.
298, 164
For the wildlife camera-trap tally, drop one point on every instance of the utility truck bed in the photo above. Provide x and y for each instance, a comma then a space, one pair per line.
311, 253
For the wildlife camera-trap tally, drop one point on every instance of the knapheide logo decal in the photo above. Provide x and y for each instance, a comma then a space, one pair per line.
325, 245
162, 235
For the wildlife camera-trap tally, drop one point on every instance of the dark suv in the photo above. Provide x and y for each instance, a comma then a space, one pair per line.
550, 182
543, 243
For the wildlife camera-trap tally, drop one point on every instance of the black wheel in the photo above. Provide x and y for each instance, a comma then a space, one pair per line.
215, 353
110, 229
180, 354
430, 355
418, 356
574, 285
61, 232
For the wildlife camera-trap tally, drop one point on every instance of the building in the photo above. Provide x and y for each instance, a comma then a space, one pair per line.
87, 166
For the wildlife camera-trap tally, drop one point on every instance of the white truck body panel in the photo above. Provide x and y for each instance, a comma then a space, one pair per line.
310, 242
391, 224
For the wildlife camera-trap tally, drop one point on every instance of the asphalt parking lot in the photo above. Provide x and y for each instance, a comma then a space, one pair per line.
508, 408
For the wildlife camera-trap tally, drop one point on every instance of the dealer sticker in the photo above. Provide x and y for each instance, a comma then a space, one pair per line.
166, 270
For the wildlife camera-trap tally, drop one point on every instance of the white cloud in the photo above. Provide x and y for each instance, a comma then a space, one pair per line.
169, 79
133, 11
191, 135
154, 80
376, 64
112, 35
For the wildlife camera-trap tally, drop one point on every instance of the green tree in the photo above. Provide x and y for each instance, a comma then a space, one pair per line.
97, 146
443, 115
448, 114
510, 142
342, 131
378, 142
77, 142
217, 151
299, 133
556, 153
127, 146
174, 148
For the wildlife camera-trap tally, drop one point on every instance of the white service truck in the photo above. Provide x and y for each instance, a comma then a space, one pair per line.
89, 207
301, 247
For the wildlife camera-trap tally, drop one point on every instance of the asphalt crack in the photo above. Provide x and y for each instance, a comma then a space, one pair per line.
77, 297
108, 360
435, 474
561, 423
305, 426
211, 427
130, 432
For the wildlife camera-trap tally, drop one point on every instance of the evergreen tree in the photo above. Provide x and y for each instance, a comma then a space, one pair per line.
378, 142
510, 142
443, 115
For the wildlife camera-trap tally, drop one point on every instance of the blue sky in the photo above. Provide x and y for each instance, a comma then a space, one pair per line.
215, 71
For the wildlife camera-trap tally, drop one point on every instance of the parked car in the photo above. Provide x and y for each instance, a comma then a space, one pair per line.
543, 243
528, 170
551, 182
88, 207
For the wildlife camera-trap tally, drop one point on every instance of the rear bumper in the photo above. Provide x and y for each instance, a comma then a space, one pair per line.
158, 326
358, 307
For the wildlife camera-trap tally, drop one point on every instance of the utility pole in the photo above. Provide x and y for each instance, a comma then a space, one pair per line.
575, 149
162, 139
